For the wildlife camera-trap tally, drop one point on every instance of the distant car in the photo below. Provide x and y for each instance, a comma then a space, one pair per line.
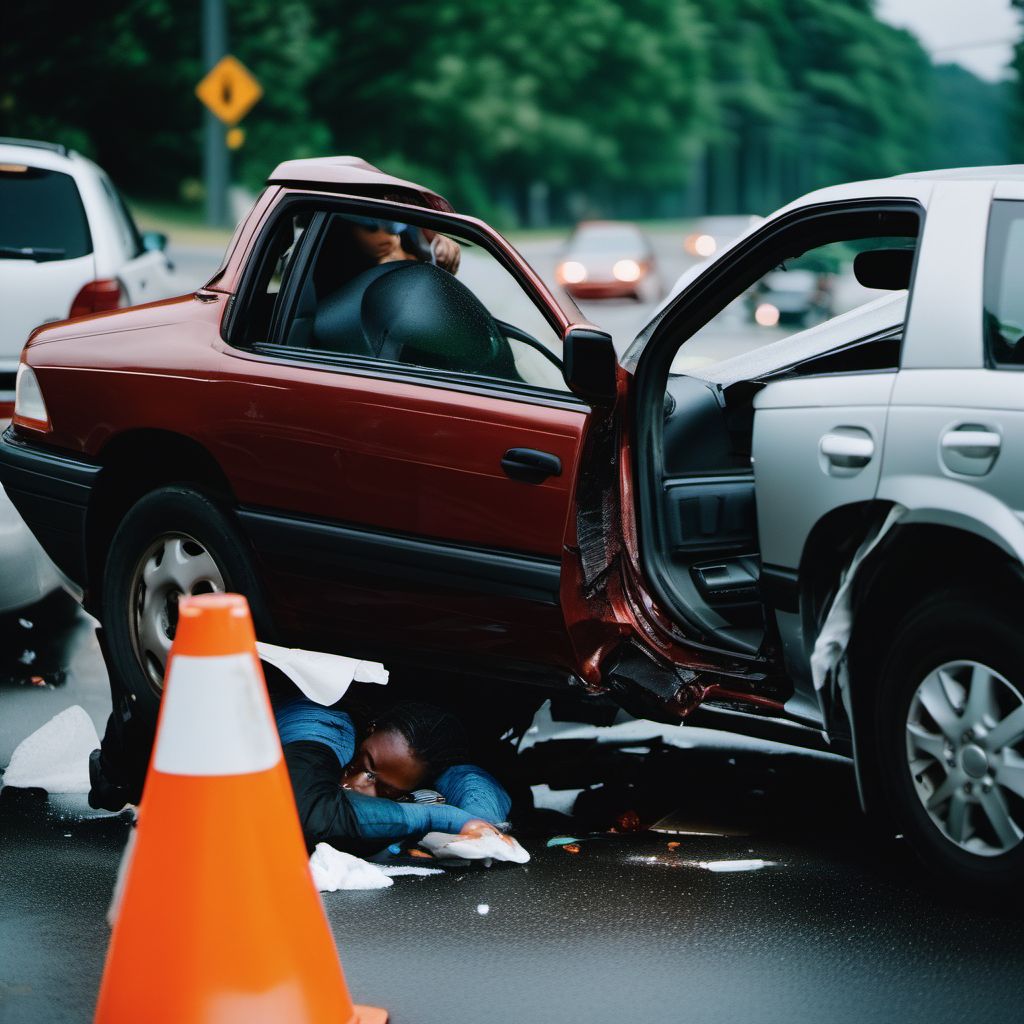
609, 260
798, 296
68, 246
710, 235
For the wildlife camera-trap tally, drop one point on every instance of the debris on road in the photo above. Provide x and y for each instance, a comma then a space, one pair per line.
734, 865
334, 870
562, 840
56, 756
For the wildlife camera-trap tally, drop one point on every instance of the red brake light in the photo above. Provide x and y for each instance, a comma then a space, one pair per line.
97, 297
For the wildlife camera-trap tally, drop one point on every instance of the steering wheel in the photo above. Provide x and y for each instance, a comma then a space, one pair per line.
517, 333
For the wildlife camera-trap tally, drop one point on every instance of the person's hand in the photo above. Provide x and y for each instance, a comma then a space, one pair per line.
477, 840
447, 253
478, 828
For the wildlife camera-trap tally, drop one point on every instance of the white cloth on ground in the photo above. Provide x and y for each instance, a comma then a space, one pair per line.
333, 870
323, 678
56, 756
489, 846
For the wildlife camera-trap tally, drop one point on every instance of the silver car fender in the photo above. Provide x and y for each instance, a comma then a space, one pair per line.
942, 501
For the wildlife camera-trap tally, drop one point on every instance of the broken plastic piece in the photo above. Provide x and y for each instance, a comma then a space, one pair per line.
561, 840
629, 821
674, 845
571, 848
753, 864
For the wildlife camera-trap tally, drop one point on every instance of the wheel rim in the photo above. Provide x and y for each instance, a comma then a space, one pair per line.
174, 566
965, 751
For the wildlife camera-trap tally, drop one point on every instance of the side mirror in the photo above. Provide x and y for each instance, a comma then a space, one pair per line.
154, 241
590, 365
884, 268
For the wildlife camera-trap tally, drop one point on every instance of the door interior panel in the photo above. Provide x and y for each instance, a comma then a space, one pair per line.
709, 515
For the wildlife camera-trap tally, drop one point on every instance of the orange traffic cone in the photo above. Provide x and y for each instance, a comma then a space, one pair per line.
219, 920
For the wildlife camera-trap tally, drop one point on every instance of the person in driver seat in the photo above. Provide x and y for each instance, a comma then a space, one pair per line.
388, 241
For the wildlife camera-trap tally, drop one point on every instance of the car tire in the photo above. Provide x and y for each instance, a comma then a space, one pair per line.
943, 781
173, 541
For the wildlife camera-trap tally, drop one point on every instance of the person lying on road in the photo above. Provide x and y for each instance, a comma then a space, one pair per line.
356, 788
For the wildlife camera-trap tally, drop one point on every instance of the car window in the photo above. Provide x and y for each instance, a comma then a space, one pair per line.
129, 233
276, 259
1004, 296
797, 296
387, 292
41, 214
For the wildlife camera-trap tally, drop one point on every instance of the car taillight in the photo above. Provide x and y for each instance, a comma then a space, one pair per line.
29, 407
97, 297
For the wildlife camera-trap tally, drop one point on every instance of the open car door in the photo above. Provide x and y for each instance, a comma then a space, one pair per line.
668, 598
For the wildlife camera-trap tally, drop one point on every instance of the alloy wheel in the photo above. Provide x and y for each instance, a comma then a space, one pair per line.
174, 566
965, 752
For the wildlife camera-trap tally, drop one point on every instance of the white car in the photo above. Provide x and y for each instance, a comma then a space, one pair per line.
68, 246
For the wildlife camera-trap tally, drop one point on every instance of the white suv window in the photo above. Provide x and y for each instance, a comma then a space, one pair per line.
41, 215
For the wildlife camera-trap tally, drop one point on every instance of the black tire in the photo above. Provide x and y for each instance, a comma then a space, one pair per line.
949, 626
168, 510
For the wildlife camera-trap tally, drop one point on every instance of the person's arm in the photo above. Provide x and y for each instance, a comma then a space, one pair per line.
325, 813
475, 791
351, 821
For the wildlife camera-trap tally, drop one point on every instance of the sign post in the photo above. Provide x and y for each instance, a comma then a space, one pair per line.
229, 91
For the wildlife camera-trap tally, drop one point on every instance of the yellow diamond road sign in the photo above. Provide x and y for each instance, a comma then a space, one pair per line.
229, 90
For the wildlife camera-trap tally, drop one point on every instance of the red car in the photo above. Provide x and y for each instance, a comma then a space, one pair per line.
607, 259
386, 465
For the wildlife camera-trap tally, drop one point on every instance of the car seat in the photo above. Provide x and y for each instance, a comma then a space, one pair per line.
414, 313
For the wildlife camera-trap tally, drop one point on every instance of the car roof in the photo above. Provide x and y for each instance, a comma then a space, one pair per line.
993, 172
51, 156
349, 174
53, 147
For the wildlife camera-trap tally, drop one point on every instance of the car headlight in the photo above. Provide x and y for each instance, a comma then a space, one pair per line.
627, 270
700, 245
29, 407
572, 272
766, 315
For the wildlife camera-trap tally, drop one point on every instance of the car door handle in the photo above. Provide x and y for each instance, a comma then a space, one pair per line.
972, 444
530, 466
848, 451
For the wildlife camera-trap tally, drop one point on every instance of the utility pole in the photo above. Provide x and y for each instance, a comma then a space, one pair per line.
215, 150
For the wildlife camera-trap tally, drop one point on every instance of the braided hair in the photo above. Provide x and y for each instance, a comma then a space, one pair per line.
434, 735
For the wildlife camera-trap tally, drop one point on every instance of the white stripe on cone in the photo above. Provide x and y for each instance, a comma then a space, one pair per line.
215, 719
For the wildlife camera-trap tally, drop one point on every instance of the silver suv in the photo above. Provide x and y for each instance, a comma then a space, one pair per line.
884, 560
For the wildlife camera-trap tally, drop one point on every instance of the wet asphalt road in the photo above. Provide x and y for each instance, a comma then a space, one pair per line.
822, 924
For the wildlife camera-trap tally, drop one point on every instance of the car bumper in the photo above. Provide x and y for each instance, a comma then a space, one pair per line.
51, 492
603, 289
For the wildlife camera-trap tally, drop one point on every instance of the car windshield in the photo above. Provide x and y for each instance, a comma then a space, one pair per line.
606, 239
41, 215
